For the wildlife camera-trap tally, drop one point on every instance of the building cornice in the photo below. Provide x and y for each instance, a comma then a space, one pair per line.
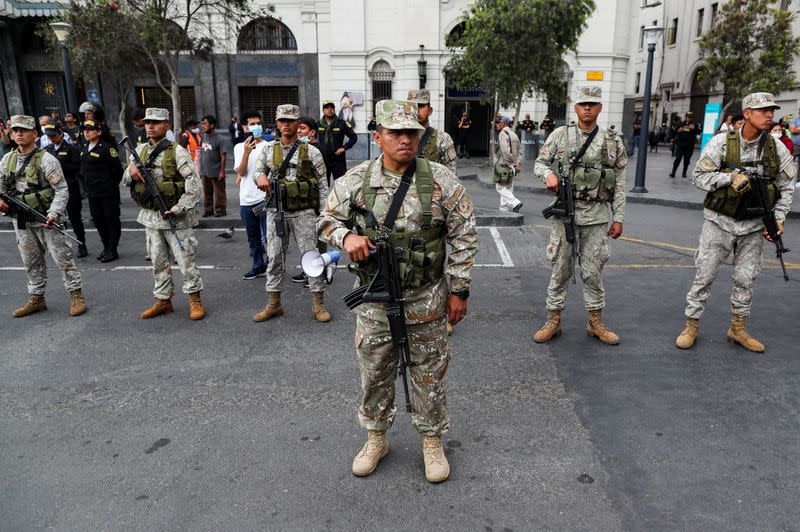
31, 8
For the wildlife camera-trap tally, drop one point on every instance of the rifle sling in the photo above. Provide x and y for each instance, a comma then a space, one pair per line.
162, 145
25, 163
585, 147
399, 195
423, 143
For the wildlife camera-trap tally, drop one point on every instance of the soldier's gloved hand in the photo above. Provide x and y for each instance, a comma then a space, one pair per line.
551, 182
740, 182
357, 247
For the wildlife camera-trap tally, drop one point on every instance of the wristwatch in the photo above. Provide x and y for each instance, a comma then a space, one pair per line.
463, 294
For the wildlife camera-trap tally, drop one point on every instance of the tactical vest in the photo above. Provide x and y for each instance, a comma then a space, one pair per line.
303, 192
431, 152
423, 252
725, 200
593, 177
171, 186
35, 195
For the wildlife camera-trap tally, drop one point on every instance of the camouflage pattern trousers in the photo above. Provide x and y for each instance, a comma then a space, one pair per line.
303, 227
377, 362
34, 243
162, 246
593, 253
715, 247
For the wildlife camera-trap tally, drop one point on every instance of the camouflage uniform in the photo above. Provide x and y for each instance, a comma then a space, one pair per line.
722, 235
445, 150
425, 308
34, 241
591, 218
301, 224
161, 243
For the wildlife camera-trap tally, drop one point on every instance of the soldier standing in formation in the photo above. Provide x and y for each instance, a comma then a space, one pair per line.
102, 172
438, 209
177, 180
598, 177
70, 159
304, 190
35, 177
331, 132
728, 228
435, 145
507, 165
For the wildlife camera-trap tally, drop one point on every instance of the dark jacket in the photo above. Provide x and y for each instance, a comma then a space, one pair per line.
70, 158
101, 169
685, 134
331, 136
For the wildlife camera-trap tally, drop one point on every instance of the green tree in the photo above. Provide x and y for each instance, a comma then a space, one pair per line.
750, 49
510, 48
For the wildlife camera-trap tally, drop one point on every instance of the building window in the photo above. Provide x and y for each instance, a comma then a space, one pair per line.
266, 100
638, 82
714, 15
155, 97
641, 37
266, 35
672, 32
700, 15
381, 76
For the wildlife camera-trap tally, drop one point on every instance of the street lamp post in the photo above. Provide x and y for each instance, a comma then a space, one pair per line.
61, 29
651, 36
422, 66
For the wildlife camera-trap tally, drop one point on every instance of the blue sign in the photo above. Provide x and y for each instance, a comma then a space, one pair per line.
710, 122
93, 95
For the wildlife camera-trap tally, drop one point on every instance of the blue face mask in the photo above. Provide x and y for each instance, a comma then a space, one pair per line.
256, 131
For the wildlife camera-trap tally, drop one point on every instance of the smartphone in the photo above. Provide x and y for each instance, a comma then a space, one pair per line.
247, 135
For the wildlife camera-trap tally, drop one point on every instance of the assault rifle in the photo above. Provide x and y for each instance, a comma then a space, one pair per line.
765, 209
385, 287
151, 191
26, 213
564, 210
281, 230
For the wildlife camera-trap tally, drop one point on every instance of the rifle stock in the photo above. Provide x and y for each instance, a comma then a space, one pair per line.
25, 213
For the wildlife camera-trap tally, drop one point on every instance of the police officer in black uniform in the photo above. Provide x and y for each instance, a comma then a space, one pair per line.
94, 112
70, 159
331, 133
102, 172
685, 137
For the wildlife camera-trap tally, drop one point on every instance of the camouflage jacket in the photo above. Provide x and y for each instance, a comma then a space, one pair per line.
185, 215
587, 212
265, 163
707, 175
445, 151
50, 173
451, 207
509, 151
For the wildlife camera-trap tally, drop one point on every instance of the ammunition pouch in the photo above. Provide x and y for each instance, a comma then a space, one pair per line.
593, 182
739, 206
172, 186
421, 260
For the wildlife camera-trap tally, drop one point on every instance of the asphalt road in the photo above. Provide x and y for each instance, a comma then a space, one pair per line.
111, 422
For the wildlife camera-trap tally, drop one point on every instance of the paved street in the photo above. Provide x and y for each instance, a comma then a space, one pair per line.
109, 421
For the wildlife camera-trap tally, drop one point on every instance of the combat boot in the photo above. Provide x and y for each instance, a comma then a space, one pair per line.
160, 306
436, 467
35, 304
551, 328
689, 333
449, 328
77, 305
318, 307
738, 334
367, 459
272, 309
595, 327
196, 309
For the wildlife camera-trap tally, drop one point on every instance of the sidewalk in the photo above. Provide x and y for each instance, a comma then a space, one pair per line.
661, 189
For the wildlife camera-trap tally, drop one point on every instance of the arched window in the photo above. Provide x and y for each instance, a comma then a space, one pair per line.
381, 75
456, 33
266, 34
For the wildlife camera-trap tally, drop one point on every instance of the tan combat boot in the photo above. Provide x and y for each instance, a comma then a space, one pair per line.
77, 305
689, 333
367, 459
196, 309
738, 334
272, 309
551, 328
449, 328
35, 304
595, 327
318, 307
160, 306
436, 467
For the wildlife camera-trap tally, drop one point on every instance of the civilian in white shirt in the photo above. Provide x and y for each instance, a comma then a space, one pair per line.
245, 155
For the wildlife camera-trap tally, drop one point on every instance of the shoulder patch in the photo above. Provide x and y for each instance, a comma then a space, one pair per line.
112, 152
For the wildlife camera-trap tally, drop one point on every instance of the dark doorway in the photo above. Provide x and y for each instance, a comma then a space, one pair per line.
155, 97
48, 92
699, 98
266, 100
455, 104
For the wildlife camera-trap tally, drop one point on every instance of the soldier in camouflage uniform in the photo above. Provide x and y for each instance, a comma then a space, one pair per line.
34, 176
305, 189
599, 183
722, 173
174, 171
436, 206
507, 165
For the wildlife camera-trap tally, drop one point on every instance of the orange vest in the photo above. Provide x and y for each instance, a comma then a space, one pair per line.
193, 144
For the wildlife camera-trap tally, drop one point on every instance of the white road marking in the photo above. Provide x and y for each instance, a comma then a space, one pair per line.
501, 248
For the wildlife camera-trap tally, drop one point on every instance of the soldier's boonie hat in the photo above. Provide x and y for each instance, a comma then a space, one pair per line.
287, 112
420, 96
52, 130
397, 114
589, 94
156, 114
23, 121
90, 124
759, 100
328, 103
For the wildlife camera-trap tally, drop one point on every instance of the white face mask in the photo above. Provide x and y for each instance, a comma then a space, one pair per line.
776, 135
196, 130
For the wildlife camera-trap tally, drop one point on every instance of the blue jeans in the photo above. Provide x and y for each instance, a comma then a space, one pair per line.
256, 228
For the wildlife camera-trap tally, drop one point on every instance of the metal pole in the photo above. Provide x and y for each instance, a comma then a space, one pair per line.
641, 161
71, 103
